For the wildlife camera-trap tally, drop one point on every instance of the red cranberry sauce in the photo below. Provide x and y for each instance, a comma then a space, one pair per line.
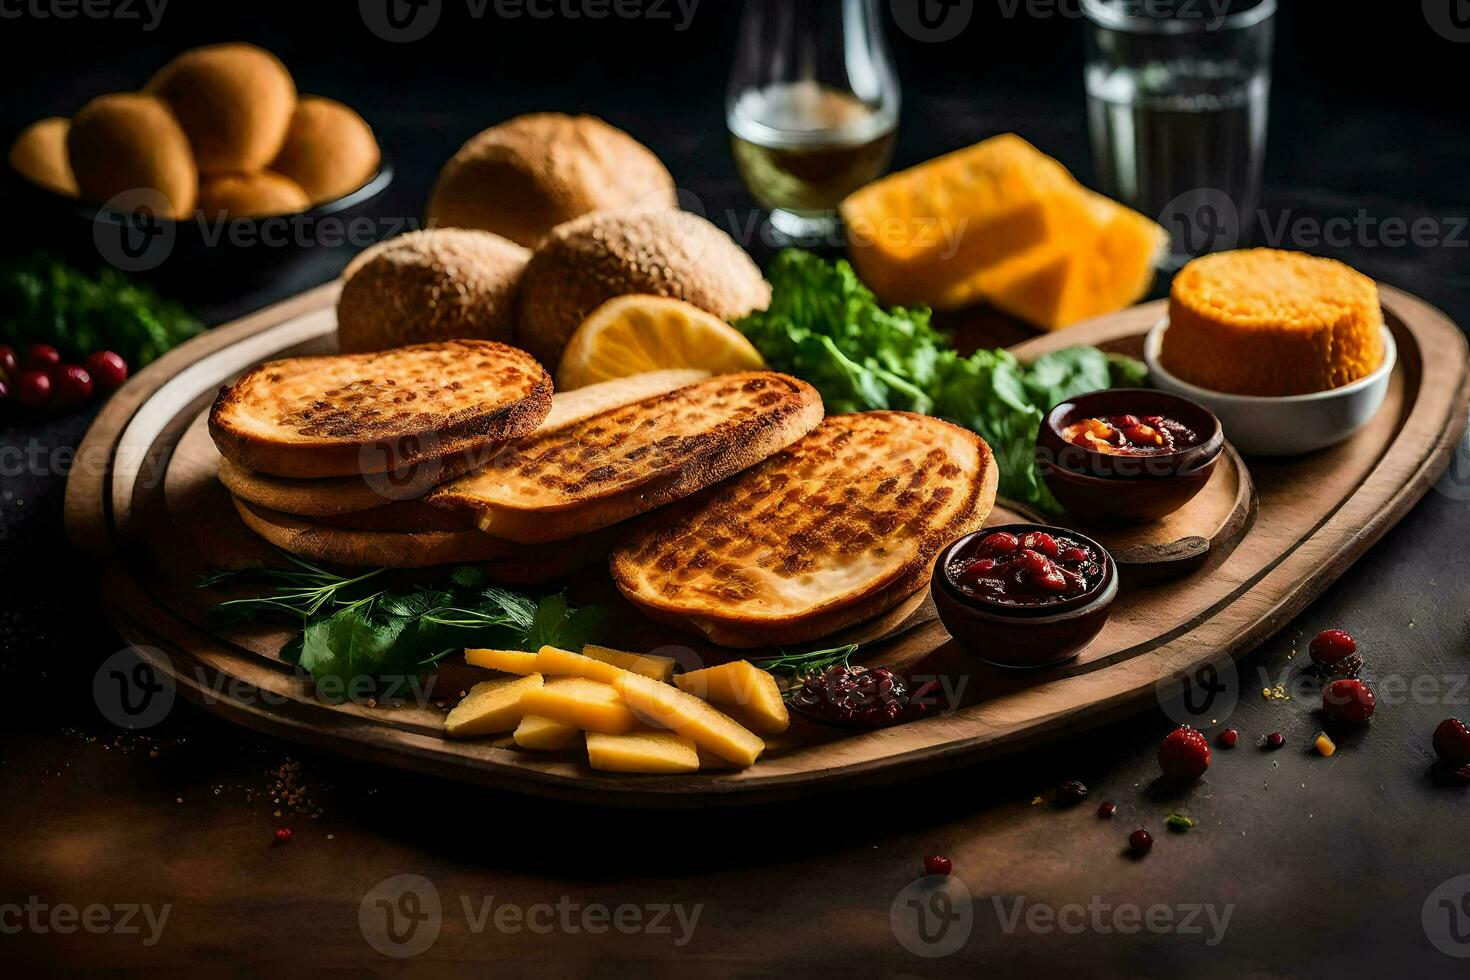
1032, 569
1131, 435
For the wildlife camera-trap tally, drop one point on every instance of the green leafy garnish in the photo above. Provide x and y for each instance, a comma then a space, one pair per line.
358, 640
795, 668
43, 300
825, 327
1178, 822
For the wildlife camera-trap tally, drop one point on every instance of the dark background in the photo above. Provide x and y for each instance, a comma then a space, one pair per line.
1328, 862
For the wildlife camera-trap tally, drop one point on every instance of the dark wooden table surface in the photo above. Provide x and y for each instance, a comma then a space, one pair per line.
1299, 866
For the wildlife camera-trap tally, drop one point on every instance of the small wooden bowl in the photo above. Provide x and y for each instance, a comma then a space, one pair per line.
1104, 489
1024, 637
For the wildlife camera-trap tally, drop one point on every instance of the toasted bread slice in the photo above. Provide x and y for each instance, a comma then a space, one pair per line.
633, 459
839, 528
350, 414
505, 562
332, 496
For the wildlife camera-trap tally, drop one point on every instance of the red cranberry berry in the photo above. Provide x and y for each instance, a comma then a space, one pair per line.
33, 389
1184, 754
1140, 842
8, 363
41, 357
1228, 738
1000, 543
4, 390
1348, 700
936, 865
70, 386
1071, 792
1106, 810
1335, 652
107, 369
283, 834
1042, 542
1452, 741
1275, 740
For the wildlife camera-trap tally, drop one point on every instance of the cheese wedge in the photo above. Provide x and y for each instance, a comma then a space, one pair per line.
581, 703
744, 691
554, 661
536, 732
491, 706
659, 668
668, 707
508, 661
646, 751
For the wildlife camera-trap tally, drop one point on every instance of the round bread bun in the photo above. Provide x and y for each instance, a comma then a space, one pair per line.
39, 155
586, 262
329, 150
437, 284
525, 176
128, 142
234, 101
250, 195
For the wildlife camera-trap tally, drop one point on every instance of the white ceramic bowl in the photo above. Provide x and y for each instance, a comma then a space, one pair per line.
1289, 425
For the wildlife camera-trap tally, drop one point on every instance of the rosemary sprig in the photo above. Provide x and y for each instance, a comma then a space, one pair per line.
302, 591
797, 667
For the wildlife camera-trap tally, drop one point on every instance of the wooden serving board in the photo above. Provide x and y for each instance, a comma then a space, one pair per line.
1257, 546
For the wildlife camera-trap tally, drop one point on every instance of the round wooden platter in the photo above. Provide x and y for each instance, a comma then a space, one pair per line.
1253, 550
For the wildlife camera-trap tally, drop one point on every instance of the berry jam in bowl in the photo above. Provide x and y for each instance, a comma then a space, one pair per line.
1127, 455
1024, 595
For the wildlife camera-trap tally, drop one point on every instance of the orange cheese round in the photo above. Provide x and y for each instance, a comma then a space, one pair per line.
1269, 322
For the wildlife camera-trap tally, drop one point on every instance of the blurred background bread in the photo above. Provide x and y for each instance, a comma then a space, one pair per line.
256, 195
525, 176
233, 100
586, 262
39, 155
132, 142
436, 284
329, 150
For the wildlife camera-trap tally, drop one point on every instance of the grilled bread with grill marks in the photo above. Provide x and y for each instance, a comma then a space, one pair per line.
332, 496
349, 414
381, 545
836, 529
631, 460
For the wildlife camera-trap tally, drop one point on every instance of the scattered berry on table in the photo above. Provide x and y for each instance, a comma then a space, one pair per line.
41, 357
1184, 754
1275, 740
1140, 842
1452, 741
1336, 652
32, 389
1228, 738
1348, 700
70, 386
283, 834
8, 363
108, 370
936, 865
1105, 810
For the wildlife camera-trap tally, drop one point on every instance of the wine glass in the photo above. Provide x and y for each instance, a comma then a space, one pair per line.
812, 109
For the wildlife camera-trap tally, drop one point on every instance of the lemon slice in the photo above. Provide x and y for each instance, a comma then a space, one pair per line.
634, 334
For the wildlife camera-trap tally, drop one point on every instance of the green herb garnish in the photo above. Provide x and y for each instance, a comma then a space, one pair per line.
1178, 822
797, 667
825, 327
43, 300
358, 640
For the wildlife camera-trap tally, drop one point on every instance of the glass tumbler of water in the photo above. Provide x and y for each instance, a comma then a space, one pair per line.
812, 109
1177, 103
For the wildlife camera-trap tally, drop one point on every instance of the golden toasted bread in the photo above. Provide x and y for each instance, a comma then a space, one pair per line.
631, 460
835, 530
350, 414
382, 546
331, 496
